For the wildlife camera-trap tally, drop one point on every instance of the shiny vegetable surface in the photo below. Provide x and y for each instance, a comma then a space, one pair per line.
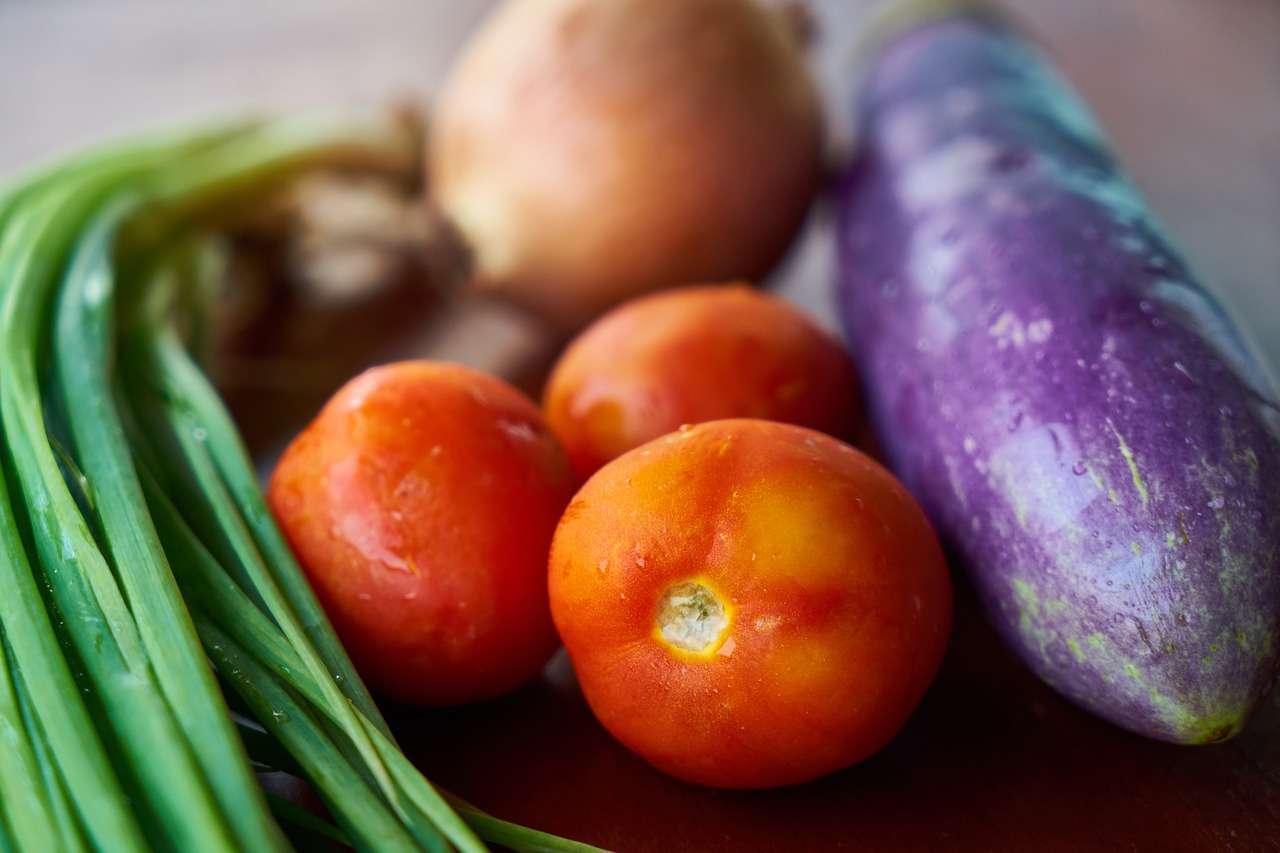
695, 354
420, 503
748, 603
1075, 410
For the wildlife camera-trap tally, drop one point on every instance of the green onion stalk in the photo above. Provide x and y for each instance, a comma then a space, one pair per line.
146, 585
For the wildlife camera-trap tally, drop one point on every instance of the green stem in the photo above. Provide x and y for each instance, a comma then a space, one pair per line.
24, 798
92, 786
318, 833
140, 592
360, 812
83, 362
230, 610
218, 519
70, 832
222, 609
98, 619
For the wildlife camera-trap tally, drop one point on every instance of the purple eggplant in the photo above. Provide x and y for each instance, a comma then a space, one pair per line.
1076, 412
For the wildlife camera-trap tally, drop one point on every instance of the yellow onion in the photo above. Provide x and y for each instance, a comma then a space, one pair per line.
587, 151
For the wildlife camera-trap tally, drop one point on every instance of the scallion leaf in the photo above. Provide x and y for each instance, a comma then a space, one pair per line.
135, 544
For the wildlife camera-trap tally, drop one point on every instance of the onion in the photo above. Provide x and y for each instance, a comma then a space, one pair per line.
587, 151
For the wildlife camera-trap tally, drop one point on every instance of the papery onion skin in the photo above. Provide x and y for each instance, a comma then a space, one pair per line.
587, 151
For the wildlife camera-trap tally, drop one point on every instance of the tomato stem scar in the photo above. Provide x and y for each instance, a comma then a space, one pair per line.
691, 617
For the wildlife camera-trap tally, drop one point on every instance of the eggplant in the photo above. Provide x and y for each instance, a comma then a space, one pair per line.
1080, 417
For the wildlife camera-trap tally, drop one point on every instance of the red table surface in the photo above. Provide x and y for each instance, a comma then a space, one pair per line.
992, 760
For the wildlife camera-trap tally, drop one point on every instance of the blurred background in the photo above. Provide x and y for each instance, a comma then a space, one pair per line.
1188, 90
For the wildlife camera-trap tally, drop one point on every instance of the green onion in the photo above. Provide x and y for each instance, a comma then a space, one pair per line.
73, 742
135, 545
181, 670
315, 833
110, 635
25, 801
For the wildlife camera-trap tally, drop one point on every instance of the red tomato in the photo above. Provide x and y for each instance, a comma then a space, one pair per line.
695, 354
748, 603
421, 503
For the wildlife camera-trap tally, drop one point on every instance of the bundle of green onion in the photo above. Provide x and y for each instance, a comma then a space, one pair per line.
137, 548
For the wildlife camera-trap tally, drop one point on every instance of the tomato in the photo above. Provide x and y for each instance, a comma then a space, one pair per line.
748, 603
694, 354
421, 502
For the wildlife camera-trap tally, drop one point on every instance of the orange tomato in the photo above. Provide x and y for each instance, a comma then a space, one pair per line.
694, 354
748, 603
421, 504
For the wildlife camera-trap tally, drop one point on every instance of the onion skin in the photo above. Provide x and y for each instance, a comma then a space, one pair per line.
587, 151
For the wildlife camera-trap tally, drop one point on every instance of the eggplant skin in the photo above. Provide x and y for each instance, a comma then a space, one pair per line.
1075, 411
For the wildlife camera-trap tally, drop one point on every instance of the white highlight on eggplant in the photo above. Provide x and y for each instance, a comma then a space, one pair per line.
946, 175
906, 129
1009, 330
934, 260
1043, 454
938, 325
1038, 331
934, 256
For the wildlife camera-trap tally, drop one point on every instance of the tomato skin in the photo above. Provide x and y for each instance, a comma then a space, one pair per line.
836, 593
420, 503
692, 354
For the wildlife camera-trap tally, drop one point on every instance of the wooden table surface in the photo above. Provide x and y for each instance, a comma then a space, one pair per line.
1190, 93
